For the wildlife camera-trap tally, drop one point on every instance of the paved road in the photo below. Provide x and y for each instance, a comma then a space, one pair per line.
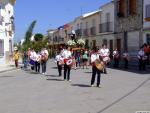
27, 92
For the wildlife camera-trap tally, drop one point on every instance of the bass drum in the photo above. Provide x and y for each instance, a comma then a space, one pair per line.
31, 62
69, 62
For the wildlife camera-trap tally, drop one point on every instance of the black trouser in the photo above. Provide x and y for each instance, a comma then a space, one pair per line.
105, 70
67, 72
142, 64
125, 63
59, 69
94, 72
116, 62
43, 63
37, 66
16, 63
147, 61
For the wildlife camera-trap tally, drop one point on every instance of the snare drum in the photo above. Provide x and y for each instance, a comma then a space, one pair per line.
106, 59
69, 62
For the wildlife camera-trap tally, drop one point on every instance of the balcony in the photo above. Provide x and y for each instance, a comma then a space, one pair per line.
93, 31
78, 32
86, 32
106, 27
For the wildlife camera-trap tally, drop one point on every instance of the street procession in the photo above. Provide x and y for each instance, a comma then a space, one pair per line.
74, 56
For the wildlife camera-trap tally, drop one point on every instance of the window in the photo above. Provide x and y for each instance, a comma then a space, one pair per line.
148, 11
81, 25
1, 47
132, 7
93, 23
148, 38
86, 25
121, 8
107, 17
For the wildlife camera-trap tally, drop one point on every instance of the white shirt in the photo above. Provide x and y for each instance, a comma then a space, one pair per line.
33, 55
43, 52
141, 54
58, 58
94, 57
66, 54
125, 55
104, 52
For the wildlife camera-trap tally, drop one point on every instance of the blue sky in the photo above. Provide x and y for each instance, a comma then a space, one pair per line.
49, 13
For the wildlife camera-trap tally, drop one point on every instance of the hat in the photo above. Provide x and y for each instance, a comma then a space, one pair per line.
15, 48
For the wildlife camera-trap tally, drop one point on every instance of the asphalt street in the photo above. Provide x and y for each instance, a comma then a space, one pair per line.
28, 92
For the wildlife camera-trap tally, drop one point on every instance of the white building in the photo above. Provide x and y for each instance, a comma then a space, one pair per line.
6, 30
91, 28
146, 21
106, 27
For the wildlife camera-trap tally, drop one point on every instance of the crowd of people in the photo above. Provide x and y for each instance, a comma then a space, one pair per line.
67, 59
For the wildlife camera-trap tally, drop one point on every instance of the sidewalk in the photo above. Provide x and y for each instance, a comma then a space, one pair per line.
9, 67
6, 68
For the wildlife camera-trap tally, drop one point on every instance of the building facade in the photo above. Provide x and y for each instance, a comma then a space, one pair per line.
6, 30
146, 21
90, 28
128, 25
106, 26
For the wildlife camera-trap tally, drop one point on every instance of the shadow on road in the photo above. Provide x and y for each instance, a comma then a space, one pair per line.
80, 85
54, 79
52, 75
6, 76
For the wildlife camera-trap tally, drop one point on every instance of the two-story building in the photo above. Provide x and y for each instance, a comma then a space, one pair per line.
90, 28
128, 25
146, 21
106, 26
6, 30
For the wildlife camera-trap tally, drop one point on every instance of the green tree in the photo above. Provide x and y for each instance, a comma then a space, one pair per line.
38, 37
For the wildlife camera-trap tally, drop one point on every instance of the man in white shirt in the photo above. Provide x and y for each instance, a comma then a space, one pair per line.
66, 54
95, 71
59, 60
44, 58
142, 59
104, 53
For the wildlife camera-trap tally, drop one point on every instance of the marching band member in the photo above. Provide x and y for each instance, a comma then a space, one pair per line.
104, 53
142, 59
116, 58
32, 59
94, 58
126, 59
59, 61
44, 58
37, 62
67, 62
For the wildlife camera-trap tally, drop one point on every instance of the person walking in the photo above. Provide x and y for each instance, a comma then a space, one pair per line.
25, 59
104, 53
44, 58
85, 59
32, 59
126, 59
37, 62
16, 57
60, 63
116, 58
67, 62
94, 58
142, 59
